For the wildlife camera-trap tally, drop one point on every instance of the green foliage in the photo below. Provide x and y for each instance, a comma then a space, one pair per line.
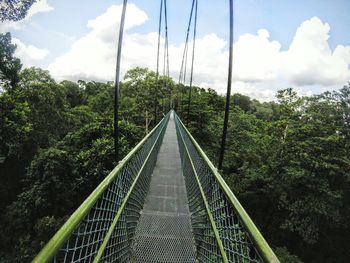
140, 91
56, 146
204, 117
288, 163
14, 125
29, 76
9, 65
74, 93
285, 257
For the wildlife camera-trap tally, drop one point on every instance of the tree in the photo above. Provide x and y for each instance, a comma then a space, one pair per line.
204, 118
9, 65
74, 93
242, 101
30, 115
140, 86
33, 75
297, 192
45, 195
14, 9
15, 129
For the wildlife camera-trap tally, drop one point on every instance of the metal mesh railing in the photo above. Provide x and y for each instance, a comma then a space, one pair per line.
101, 229
222, 230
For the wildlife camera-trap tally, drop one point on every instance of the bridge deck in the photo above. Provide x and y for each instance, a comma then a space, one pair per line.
164, 232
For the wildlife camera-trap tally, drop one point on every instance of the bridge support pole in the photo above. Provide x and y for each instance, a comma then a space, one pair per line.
117, 84
228, 95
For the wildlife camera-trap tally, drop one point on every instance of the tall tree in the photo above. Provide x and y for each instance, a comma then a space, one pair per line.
10, 66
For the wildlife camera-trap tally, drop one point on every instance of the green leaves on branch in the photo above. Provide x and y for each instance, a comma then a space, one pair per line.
10, 66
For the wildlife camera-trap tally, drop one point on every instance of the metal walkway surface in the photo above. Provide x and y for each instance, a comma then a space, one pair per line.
164, 232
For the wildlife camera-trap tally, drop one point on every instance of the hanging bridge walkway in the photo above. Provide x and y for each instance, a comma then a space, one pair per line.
164, 202
164, 232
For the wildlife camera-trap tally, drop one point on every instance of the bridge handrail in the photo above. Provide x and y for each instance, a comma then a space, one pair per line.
264, 250
63, 234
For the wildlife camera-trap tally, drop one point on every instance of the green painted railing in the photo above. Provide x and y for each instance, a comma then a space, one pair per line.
222, 229
102, 228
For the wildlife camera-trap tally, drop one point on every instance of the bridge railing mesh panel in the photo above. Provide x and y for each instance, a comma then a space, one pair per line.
223, 231
101, 229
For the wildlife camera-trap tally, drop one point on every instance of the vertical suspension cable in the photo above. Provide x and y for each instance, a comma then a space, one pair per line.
183, 63
166, 36
116, 84
193, 50
166, 53
164, 58
167, 43
185, 70
186, 44
157, 74
159, 29
182, 78
228, 95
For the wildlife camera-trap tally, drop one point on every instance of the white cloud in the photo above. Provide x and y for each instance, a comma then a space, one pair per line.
93, 55
40, 6
260, 66
28, 53
310, 60
256, 58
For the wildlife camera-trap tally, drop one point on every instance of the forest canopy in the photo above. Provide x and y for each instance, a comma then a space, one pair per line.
287, 161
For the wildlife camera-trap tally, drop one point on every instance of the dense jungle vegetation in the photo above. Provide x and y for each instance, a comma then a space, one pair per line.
287, 161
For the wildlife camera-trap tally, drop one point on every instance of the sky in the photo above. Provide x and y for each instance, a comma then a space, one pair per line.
303, 44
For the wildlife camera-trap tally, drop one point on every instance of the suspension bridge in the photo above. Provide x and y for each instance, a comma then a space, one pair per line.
165, 201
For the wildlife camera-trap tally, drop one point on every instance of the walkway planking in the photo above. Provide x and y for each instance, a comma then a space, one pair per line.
164, 232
